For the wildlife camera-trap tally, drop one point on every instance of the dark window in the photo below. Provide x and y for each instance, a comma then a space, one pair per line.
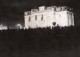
35, 17
42, 17
29, 19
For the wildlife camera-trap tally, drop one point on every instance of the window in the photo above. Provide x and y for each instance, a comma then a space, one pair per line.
42, 17
29, 19
35, 17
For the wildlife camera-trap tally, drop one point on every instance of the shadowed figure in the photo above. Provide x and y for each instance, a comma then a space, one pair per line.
54, 23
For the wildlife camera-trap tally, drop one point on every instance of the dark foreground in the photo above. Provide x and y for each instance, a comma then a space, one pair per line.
46, 42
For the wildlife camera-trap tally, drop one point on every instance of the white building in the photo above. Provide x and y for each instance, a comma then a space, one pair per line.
46, 16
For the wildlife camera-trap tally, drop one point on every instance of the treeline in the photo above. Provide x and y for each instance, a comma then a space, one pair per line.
22, 41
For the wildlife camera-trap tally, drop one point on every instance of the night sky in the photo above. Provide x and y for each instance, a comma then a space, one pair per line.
11, 11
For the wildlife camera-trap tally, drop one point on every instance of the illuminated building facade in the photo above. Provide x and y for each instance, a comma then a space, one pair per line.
46, 16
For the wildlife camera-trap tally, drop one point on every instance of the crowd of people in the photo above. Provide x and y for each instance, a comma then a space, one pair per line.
39, 39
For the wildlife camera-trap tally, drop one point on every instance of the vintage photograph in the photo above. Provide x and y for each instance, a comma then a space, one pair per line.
39, 28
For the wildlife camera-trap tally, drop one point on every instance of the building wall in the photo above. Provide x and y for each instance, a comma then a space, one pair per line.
70, 18
45, 18
61, 18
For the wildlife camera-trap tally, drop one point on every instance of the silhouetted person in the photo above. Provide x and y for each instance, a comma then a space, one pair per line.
54, 23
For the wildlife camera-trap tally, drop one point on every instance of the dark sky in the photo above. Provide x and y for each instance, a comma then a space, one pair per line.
12, 11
